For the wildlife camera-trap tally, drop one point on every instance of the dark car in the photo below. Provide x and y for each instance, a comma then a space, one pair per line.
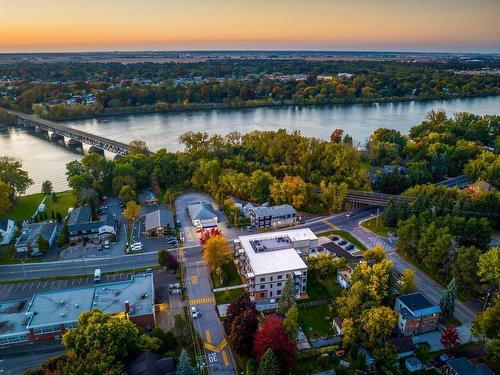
349, 247
335, 238
343, 242
99, 247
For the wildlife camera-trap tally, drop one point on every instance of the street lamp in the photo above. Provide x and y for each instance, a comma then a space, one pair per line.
84, 266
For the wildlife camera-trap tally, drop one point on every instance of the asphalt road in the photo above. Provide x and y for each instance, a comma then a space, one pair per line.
16, 360
218, 356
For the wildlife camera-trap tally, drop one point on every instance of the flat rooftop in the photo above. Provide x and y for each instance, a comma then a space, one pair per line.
62, 306
274, 252
12, 317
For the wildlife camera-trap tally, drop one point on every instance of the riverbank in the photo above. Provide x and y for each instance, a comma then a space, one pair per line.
258, 103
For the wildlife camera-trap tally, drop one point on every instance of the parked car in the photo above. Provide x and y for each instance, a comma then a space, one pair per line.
172, 242
335, 238
179, 224
106, 244
100, 247
195, 313
348, 214
349, 247
343, 242
174, 286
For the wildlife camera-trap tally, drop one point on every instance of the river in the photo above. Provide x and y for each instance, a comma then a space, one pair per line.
44, 160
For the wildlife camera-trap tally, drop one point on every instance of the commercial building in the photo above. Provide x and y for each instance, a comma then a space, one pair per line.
48, 315
7, 229
416, 314
81, 227
28, 242
159, 222
271, 216
202, 215
266, 260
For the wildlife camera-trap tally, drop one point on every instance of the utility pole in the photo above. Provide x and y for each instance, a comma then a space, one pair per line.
24, 269
84, 265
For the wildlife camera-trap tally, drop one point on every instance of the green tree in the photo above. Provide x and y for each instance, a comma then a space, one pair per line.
47, 187
485, 326
184, 367
387, 357
162, 257
489, 268
408, 281
377, 254
287, 297
251, 367
5, 193
324, 265
464, 270
391, 214
268, 364
291, 322
43, 245
169, 197
377, 324
424, 353
11, 173
127, 194
447, 302
96, 331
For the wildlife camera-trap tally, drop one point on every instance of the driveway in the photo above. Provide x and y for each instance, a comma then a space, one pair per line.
218, 356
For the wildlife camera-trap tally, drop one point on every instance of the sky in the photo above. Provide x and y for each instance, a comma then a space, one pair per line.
356, 25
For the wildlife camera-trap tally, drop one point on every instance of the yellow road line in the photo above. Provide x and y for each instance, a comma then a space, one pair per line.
224, 357
198, 301
221, 345
209, 338
210, 347
194, 279
331, 225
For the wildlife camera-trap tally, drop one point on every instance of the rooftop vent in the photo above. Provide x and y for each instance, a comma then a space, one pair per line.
63, 314
77, 305
61, 302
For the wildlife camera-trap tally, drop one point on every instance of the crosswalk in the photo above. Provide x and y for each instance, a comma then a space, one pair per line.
377, 241
199, 301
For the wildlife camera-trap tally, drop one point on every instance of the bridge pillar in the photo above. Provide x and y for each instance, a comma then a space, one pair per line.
87, 149
72, 143
54, 137
109, 155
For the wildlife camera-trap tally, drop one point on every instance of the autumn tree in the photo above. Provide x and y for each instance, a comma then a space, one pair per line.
206, 234
450, 338
324, 265
386, 356
336, 136
243, 331
216, 252
486, 326
271, 335
287, 297
236, 308
333, 195
291, 190
376, 254
132, 211
127, 194
408, 281
11, 173
5, 202
377, 324
269, 364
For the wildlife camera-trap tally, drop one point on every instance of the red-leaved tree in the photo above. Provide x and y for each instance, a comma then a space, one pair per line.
243, 332
206, 234
235, 309
271, 335
336, 136
450, 338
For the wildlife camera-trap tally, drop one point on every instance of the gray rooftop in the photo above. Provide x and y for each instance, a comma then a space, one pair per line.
80, 215
159, 218
201, 211
12, 317
463, 366
415, 301
55, 307
4, 223
273, 211
31, 232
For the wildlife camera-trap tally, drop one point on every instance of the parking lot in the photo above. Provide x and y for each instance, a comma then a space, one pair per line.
25, 290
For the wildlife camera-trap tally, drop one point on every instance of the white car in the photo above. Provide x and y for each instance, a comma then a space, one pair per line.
136, 247
195, 313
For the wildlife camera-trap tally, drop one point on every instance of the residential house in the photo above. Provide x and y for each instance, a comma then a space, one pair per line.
271, 216
81, 227
413, 364
7, 229
337, 325
27, 242
159, 222
416, 314
462, 366
343, 275
404, 345
267, 260
202, 215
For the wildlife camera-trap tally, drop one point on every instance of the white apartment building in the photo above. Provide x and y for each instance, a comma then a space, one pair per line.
266, 260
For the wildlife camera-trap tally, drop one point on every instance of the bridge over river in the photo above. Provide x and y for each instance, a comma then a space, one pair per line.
73, 137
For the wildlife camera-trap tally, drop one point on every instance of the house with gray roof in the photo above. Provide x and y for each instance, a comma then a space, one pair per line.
462, 366
202, 215
7, 229
81, 227
28, 242
159, 222
416, 314
266, 216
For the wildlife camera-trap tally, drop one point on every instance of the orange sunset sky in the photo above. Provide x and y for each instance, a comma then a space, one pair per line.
396, 25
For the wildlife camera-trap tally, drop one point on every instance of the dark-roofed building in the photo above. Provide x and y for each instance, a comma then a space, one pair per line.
159, 222
462, 366
343, 275
416, 314
149, 363
81, 227
202, 215
271, 216
27, 242
403, 344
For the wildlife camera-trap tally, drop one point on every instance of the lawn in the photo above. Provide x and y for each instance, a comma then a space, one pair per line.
346, 236
326, 288
232, 276
7, 256
24, 207
228, 296
376, 227
316, 321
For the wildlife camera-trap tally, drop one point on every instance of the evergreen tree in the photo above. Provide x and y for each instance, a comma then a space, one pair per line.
287, 298
268, 364
58, 217
184, 367
447, 302
251, 367
390, 215
291, 322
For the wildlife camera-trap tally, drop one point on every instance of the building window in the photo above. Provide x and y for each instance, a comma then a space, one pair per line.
280, 277
279, 284
278, 292
262, 279
262, 287
262, 295
270, 285
270, 294
271, 279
